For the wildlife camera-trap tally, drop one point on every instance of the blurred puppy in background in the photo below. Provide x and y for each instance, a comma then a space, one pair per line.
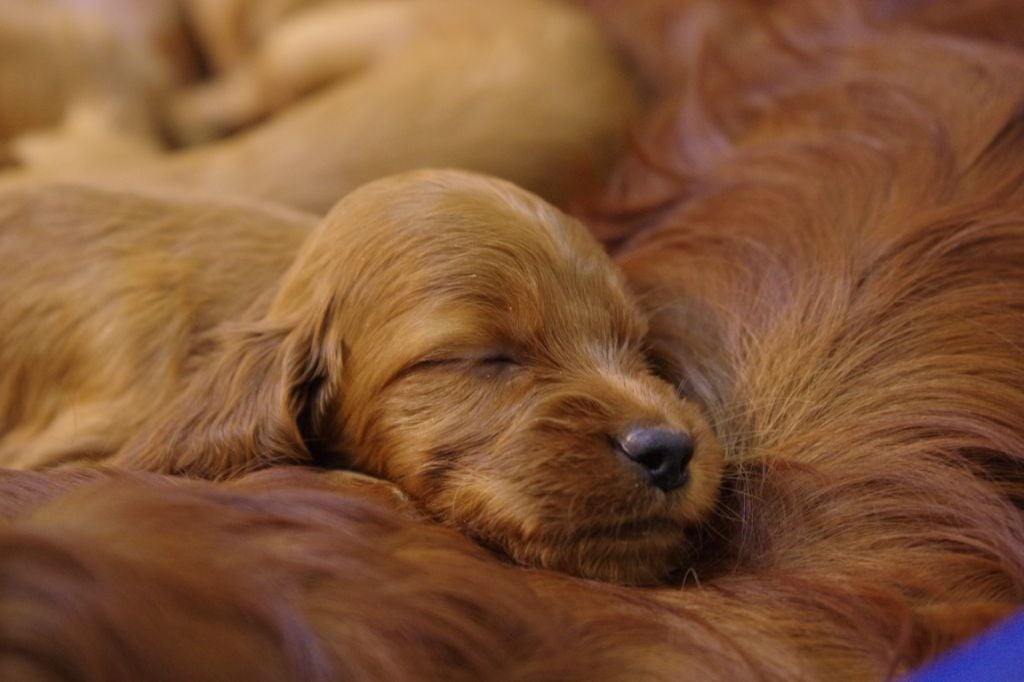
448, 332
320, 97
83, 79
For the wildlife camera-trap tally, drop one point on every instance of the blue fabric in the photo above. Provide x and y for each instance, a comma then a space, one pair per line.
995, 656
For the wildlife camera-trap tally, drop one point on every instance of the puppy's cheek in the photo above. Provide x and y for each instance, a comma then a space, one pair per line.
430, 441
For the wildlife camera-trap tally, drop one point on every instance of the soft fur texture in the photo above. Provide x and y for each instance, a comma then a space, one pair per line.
290, 574
88, 77
825, 217
284, 575
828, 227
295, 574
111, 298
448, 332
334, 93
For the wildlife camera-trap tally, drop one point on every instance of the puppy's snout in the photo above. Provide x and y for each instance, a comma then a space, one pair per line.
663, 453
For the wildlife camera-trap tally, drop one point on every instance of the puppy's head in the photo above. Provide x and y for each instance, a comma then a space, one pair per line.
463, 339
492, 366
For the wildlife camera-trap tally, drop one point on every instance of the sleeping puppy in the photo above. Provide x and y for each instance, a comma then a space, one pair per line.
323, 96
445, 331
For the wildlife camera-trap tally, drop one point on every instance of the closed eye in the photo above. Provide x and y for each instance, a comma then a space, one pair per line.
493, 367
489, 365
498, 361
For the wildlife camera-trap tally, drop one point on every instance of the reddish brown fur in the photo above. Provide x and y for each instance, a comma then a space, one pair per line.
826, 221
836, 272
292, 574
451, 333
278, 577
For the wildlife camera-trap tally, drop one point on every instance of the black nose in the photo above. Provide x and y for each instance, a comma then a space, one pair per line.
663, 454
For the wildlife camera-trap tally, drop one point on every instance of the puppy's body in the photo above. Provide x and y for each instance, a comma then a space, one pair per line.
527, 91
109, 300
451, 333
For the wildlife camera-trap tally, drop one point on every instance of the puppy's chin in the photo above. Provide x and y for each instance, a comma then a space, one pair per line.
549, 485
602, 523
638, 553
633, 551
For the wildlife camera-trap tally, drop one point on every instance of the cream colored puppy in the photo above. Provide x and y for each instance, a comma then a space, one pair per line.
323, 96
87, 75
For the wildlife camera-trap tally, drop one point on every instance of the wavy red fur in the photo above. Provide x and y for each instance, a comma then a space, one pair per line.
826, 224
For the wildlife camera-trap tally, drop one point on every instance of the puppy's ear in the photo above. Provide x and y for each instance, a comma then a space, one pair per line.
256, 401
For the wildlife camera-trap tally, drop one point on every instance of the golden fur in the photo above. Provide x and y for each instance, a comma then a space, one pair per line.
325, 96
91, 76
109, 298
824, 217
429, 323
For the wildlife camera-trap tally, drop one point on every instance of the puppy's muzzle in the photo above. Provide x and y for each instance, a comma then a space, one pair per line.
662, 454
